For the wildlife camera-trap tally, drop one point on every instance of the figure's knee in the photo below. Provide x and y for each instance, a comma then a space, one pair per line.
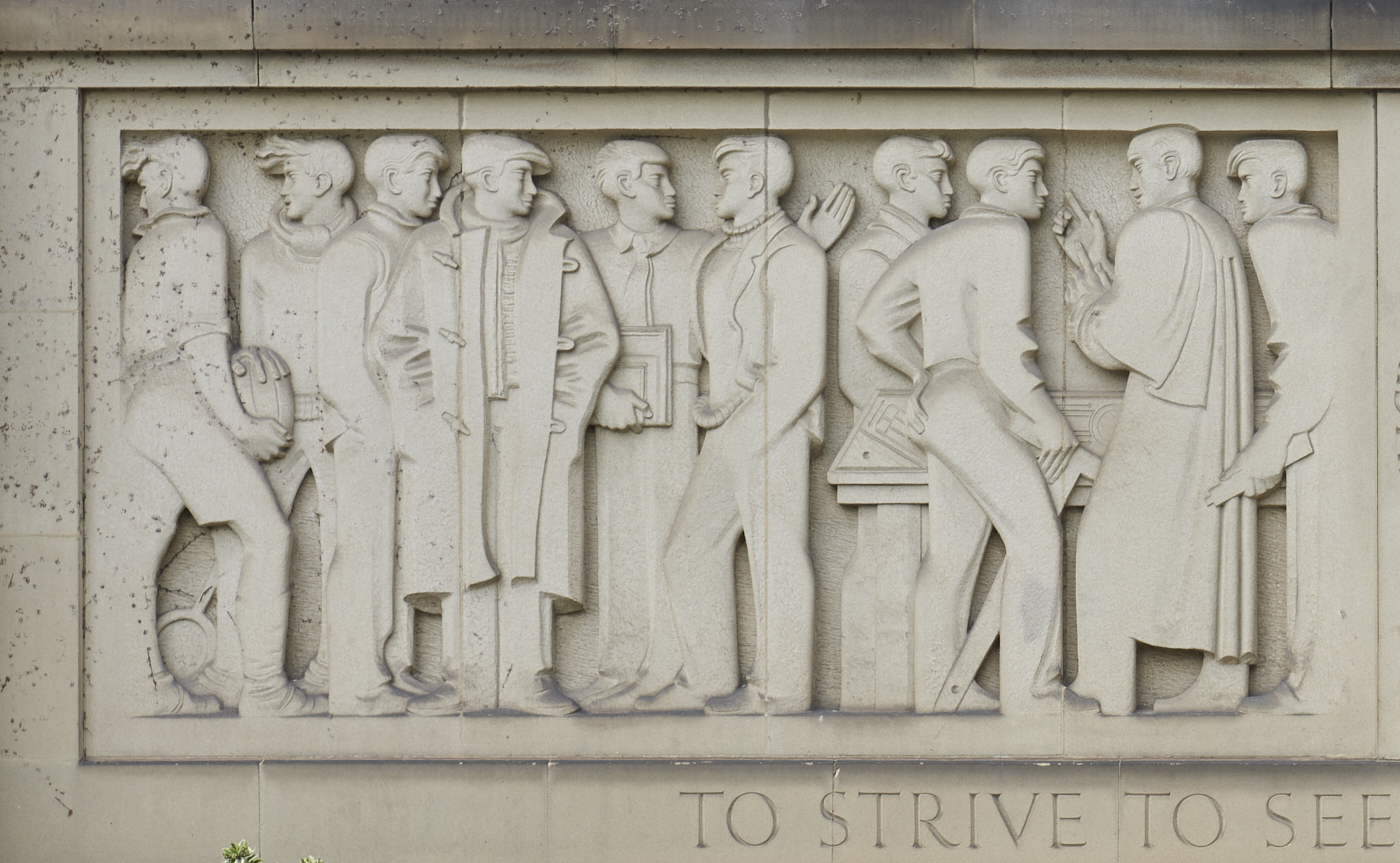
264, 532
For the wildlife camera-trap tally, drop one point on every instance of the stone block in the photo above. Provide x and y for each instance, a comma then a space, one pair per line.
141, 25
438, 24
1364, 25
62, 811
405, 811
39, 628
39, 389
1256, 25
41, 250
843, 24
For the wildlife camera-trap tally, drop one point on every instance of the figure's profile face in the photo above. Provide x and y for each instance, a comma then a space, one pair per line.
420, 190
1149, 182
932, 186
515, 187
1256, 191
152, 186
653, 193
734, 171
1026, 192
299, 189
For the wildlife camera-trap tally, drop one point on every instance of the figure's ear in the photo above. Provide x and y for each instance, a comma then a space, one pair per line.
165, 182
757, 182
1278, 183
904, 177
487, 178
391, 181
624, 186
1171, 165
323, 184
1000, 179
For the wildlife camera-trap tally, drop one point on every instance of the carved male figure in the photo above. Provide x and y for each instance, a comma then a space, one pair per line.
648, 266
1156, 563
1312, 305
980, 409
876, 660
498, 335
183, 415
277, 309
761, 327
351, 283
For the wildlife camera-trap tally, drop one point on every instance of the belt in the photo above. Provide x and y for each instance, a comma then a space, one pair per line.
308, 406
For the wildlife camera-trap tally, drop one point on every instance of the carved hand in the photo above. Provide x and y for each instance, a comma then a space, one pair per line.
1087, 254
1255, 472
264, 438
827, 223
915, 417
620, 409
264, 364
708, 416
1057, 444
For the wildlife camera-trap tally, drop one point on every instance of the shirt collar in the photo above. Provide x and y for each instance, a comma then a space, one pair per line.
188, 212
625, 238
902, 223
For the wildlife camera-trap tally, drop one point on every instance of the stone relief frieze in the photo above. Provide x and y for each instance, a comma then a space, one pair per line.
534, 428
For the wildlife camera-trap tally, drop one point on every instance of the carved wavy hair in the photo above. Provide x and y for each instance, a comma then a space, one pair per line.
905, 151
1000, 154
1274, 154
1179, 141
625, 158
764, 154
183, 156
401, 153
323, 156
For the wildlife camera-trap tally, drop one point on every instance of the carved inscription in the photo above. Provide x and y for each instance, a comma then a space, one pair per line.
977, 820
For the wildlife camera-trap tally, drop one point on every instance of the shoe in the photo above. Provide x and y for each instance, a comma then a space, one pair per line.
443, 701
316, 680
386, 700
1282, 701
172, 699
281, 700
676, 698
621, 698
547, 700
748, 701
1076, 703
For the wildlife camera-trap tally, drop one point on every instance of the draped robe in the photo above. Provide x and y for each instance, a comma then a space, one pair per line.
1155, 562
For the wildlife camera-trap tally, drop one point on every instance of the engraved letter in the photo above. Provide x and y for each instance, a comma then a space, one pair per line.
1056, 818
1280, 818
1318, 843
879, 811
772, 814
1146, 813
700, 813
830, 815
1219, 821
1006, 819
928, 822
1370, 819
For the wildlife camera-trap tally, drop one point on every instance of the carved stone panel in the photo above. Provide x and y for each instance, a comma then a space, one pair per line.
916, 425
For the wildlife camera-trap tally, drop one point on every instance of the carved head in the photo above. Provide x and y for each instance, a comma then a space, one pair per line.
173, 172
636, 176
1273, 174
403, 169
914, 172
1009, 173
314, 171
1166, 162
501, 171
756, 171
